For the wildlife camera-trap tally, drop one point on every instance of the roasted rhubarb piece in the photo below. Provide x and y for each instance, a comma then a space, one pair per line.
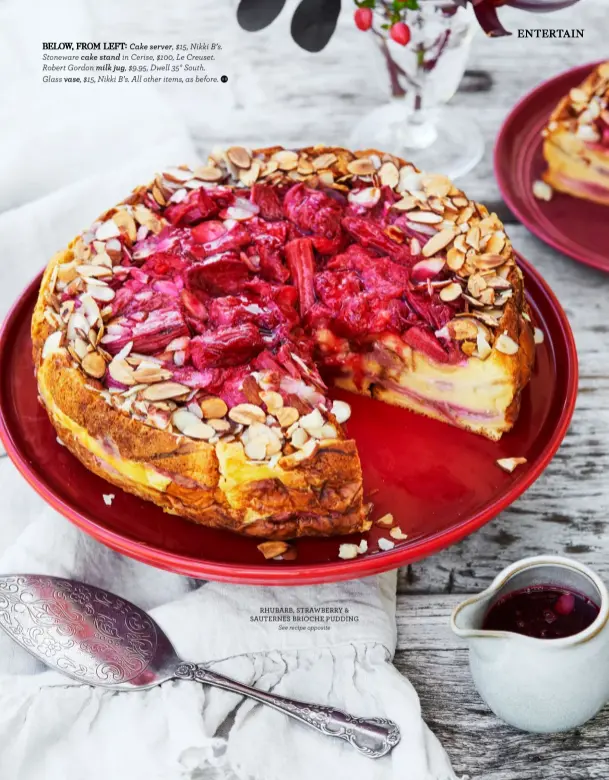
184, 343
576, 141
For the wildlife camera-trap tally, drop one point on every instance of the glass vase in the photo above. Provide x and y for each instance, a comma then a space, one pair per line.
423, 76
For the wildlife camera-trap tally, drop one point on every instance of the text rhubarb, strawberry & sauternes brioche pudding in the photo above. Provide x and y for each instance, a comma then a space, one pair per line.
184, 344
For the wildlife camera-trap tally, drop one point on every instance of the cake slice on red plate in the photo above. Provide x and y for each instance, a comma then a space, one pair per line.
184, 344
576, 140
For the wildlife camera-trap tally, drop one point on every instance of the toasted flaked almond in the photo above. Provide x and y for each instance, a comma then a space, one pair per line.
538, 336
148, 373
451, 292
472, 237
158, 195
487, 261
94, 365
246, 414
367, 197
324, 161
509, 464
287, 415
465, 215
326, 178
327, 431
272, 400
101, 293
52, 344
385, 544
97, 271
312, 421
270, 167
147, 218
578, 95
385, 520
588, 133
256, 449
487, 296
436, 184
348, 551
305, 167
239, 156
397, 533
180, 174
190, 425
476, 284
483, 348
468, 348
438, 242
495, 243
286, 160
90, 309
66, 272
362, 166
455, 259
107, 229
249, 176
505, 344
219, 424
462, 328
164, 391
121, 372
299, 438
208, 173
405, 204
542, 190
213, 407
273, 549
389, 175
415, 247
341, 411
425, 217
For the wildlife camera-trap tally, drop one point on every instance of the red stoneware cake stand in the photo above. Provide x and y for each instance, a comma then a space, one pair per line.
440, 483
576, 227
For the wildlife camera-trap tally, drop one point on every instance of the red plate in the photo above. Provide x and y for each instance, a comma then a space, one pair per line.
440, 483
576, 227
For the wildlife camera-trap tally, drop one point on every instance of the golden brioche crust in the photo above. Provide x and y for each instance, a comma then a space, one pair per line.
317, 492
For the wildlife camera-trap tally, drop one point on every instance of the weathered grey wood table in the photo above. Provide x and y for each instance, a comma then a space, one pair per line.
277, 93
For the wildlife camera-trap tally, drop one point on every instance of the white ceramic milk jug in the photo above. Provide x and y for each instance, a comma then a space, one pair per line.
540, 685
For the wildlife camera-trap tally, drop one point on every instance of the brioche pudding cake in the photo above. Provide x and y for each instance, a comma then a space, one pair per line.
576, 141
184, 344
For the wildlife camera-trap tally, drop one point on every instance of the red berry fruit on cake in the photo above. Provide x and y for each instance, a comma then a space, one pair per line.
576, 140
184, 344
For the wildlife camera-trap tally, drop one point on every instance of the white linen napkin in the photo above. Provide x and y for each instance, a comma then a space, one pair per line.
72, 154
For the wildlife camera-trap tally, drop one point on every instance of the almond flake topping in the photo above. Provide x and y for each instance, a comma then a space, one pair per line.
246, 414
506, 345
438, 242
509, 464
273, 549
239, 156
213, 407
163, 391
190, 425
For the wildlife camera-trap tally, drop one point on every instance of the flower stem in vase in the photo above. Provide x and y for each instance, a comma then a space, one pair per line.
424, 47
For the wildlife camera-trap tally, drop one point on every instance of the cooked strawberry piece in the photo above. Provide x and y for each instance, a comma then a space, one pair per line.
314, 212
430, 309
371, 235
194, 306
271, 265
196, 207
218, 275
165, 264
267, 201
208, 231
421, 338
227, 346
301, 262
233, 240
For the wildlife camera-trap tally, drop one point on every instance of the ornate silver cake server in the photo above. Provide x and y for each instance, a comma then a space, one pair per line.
98, 638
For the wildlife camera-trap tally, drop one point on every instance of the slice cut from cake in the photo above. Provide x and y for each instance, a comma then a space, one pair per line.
184, 344
576, 140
